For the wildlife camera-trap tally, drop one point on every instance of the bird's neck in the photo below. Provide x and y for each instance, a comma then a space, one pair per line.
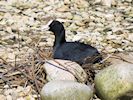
59, 38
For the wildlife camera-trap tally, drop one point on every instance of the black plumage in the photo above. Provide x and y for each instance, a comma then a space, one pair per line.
74, 51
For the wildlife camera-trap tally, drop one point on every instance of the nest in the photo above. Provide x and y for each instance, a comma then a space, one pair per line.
29, 71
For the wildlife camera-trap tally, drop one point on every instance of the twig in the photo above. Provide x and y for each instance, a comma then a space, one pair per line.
5, 62
19, 41
34, 77
5, 80
119, 57
25, 74
56, 66
106, 58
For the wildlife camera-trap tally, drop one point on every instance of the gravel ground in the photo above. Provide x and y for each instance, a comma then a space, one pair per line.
106, 25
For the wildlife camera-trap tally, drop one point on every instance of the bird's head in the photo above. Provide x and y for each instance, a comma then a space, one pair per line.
56, 27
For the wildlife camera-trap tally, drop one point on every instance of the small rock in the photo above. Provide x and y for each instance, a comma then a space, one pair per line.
79, 23
80, 29
130, 37
50, 41
111, 37
85, 15
77, 17
128, 0
67, 2
2, 97
73, 27
69, 15
66, 90
81, 3
77, 37
11, 56
109, 17
110, 49
92, 18
97, 1
8, 92
9, 97
100, 25
107, 2
63, 8
92, 24
120, 49
115, 81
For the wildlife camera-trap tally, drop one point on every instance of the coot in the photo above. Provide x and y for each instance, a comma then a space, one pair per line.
74, 51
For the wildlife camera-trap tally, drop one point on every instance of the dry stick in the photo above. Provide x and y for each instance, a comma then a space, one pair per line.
38, 42
106, 58
33, 71
119, 57
25, 84
34, 77
5, 80
5, 62
56, 66
61, 65
38, 70
15, 68
19, 41
33, 60
15, 61
35, 45
2, 75
26, 75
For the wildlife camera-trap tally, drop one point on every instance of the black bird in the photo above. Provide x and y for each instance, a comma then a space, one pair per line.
74, 51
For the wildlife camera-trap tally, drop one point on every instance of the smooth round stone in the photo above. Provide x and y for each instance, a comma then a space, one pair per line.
115, 82
66, 90
130, 37
69, 15
109, 17
2, 97
77, 18
63, 8
85, 15
107, 2
58, 69
128, 0
73, 27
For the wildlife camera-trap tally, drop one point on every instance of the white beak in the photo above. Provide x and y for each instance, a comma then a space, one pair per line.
46, 27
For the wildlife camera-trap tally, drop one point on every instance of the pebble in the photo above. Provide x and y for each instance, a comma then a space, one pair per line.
77, 17
130, 37
2, 97
9, 97
85, 15
67, 2
73, 27
97, 1
69, 15
107, 3
109, 17
63, 8
128, 0
92, 24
